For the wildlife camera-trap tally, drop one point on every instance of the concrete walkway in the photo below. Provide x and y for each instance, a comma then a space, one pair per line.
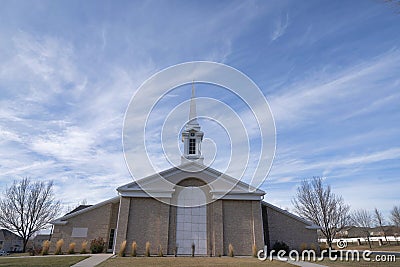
305, 264
93, 260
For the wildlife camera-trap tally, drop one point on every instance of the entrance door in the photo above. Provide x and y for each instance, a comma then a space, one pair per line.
191, 222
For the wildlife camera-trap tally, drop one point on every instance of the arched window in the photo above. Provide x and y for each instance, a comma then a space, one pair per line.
191, 221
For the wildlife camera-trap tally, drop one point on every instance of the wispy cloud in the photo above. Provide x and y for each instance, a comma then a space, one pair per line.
331, 77
280, 27
301, 100
295, 168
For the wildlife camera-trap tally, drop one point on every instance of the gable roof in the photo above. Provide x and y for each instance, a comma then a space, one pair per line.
309, 225
80, 207
162, 184
6, 234
63, 220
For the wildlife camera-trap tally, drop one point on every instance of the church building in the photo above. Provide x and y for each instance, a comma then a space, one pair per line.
184, 206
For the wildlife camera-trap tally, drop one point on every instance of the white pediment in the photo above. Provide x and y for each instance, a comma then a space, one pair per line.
163, 184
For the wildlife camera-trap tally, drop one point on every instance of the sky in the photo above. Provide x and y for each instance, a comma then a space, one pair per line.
328, 69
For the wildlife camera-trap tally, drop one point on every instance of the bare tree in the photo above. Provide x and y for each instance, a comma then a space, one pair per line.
316, 202
363, 219
28, 207
395, 217
379, 221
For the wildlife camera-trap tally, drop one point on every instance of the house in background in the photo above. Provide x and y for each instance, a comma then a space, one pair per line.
10, 242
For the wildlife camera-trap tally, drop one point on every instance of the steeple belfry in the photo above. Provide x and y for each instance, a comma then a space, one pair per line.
192, 136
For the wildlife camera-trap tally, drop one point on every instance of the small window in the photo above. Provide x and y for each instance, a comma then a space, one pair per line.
192, 146
79, 232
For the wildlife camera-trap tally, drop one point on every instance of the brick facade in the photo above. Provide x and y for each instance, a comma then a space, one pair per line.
285, 227
98, 222
240, 222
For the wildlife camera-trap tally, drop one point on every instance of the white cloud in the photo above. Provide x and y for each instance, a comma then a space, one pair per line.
280, 27
291, 167
314, 96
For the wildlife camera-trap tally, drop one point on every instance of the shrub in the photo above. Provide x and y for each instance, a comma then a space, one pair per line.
71, 248
35, 251
303, 246
97, 245
160, 251
59, 246
147, 253
313, 247
193, 249
230, 253
278, 246
84, 247
134, 249
45, 247
254, 250
122, 249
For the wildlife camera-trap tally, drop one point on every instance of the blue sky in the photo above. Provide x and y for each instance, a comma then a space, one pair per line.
329, 70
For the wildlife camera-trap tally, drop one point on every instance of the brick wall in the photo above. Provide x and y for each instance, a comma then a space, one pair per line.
98, 222
282, 227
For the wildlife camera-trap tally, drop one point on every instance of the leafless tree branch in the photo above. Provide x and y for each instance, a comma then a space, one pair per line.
28, 207
316, 202
362, 218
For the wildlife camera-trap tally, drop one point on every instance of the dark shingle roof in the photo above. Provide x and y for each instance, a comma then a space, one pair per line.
80, 207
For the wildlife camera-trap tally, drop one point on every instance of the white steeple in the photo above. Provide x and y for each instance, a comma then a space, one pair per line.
192, 136
193, 123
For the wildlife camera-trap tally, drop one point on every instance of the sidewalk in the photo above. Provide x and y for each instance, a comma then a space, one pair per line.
305, 264
93, 260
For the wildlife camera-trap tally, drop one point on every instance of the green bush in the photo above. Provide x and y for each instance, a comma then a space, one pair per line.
97, 245
280, 246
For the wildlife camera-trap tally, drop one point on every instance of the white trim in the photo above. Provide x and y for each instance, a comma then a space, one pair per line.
313, 227
58, 222
116, 229
142, 193
237, 197
136, 186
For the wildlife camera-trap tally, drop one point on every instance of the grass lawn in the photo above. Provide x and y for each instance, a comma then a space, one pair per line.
361, 263
18, 254
40, 261
189, 261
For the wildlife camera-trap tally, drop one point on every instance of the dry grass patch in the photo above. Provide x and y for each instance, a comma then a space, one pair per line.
189, 261
39, 261
361, 263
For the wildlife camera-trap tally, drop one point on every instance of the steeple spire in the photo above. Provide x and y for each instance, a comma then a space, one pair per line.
192, 113
193, 123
